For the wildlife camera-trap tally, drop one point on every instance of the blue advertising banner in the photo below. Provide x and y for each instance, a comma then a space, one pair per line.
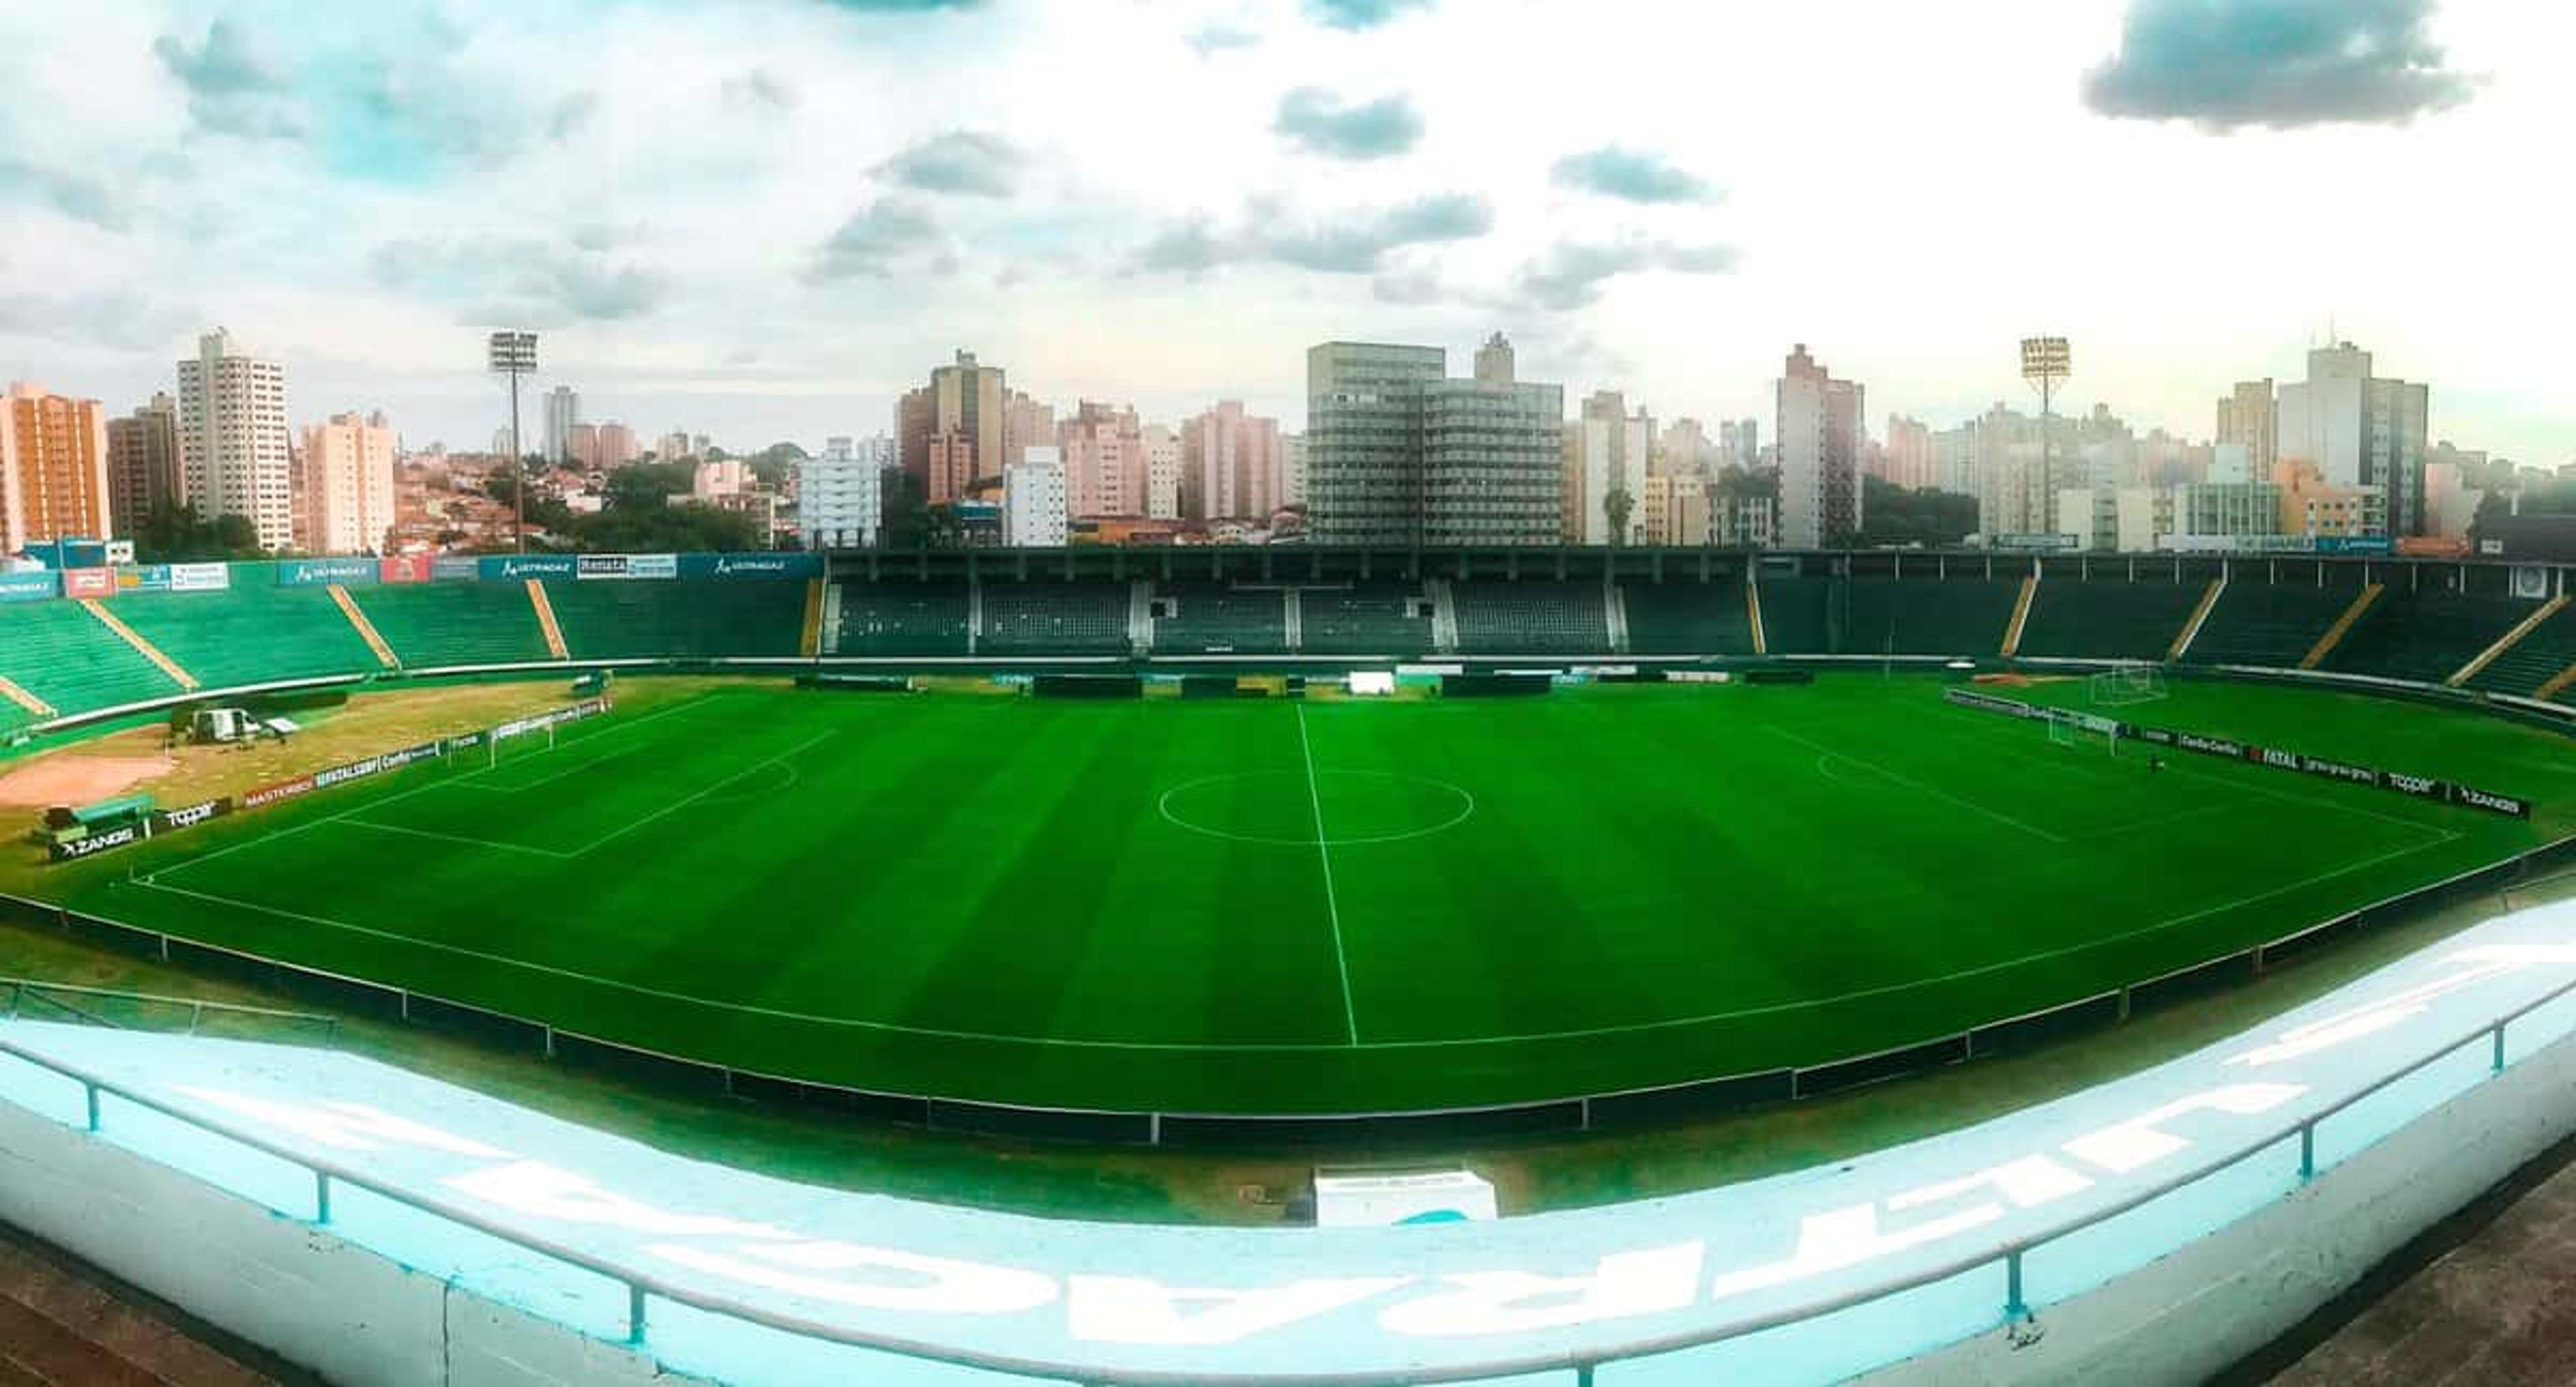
508, 567
30, 587
452, 568
2355, 544
786, 563
294, 573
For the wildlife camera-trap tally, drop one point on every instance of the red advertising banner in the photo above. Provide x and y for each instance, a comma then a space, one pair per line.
89, 582
405, 568
267, 795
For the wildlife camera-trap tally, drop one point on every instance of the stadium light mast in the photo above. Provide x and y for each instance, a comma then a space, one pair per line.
2045, 365
514, 354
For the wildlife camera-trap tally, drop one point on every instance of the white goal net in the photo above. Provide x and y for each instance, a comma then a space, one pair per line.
2125, 684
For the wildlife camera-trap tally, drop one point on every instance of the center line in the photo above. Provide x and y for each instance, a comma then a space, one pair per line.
1324, 852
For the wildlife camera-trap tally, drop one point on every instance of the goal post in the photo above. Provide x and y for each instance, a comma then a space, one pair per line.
2069, 728
2126, 684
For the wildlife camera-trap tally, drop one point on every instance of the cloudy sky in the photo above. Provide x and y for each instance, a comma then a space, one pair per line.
763, 218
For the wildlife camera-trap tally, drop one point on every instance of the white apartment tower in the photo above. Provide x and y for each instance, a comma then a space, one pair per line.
235, 456
563, 411
1034, 515
1819, 434
840, 501
349, 483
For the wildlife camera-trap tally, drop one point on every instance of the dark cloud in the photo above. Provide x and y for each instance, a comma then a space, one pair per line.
526, 281
970, 163
1571, 274
1345, 242
2231, 63
1324, 124
1209, 40
1358, 14
1410, 286
1630, 175
80, 196
234, 85
760, 90
871, 242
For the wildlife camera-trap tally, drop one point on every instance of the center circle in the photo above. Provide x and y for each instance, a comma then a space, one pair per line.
1284, 808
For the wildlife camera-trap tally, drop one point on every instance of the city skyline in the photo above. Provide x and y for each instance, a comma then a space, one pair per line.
759, 224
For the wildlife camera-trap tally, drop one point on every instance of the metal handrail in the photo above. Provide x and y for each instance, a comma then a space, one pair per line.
641, 1285
195, 1006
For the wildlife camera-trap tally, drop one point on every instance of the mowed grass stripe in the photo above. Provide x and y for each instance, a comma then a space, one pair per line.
980, 898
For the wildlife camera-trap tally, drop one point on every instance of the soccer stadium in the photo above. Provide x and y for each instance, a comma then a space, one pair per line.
940, 967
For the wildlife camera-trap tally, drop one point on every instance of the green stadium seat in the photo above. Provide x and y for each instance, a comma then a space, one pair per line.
900, 619
1212, 618
1795, 615
1532, 618
1055, 619
2272, 625
1687, 617
2425, 636
254, 632
443, 625
1923, 616
2108, 618
60, 653
2534, 660
642, 619
1363, 619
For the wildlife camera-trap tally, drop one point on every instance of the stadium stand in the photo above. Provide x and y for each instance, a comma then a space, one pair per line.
435, 625
1795, 615
1362, 619
2259, 623
1211, 618
1054, 619
251, 633
1914, 616
649, 619
2530, 663
2425, 636
900, 619
1515, 618
1688, 618
59, 653
2107, 619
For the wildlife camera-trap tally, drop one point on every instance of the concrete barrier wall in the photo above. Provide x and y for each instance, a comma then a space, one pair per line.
340, 1310
2210, 1303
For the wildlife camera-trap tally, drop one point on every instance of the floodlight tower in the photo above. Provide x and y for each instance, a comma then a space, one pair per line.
2045, 365
514, 354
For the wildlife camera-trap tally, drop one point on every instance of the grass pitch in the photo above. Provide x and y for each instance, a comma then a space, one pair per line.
1332, 907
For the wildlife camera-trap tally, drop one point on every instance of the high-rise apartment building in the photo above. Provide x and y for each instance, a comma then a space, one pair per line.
1820, 436
962, 415
1230, 465
1397, 453
2359, 431
1026, 423
2248, 416
142, 465
53, 469
563, 411
348, 484
235, 455
1684, 450
1608, 459
841, 494
1162, 473
673, 446
1035, 502
1292, 469
1909, 461
1102, 453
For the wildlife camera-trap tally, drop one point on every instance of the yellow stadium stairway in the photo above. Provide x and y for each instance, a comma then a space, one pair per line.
2343, 627
810, 644
2557, 684
2507, 642
366, 628
1753, 611
2199, 618
26, 700
2020, 616
146, 648
546, 620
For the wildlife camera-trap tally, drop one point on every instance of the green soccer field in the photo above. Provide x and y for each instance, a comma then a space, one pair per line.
1272, 907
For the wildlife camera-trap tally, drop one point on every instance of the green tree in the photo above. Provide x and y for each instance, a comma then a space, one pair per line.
1892, 515
1616, 506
